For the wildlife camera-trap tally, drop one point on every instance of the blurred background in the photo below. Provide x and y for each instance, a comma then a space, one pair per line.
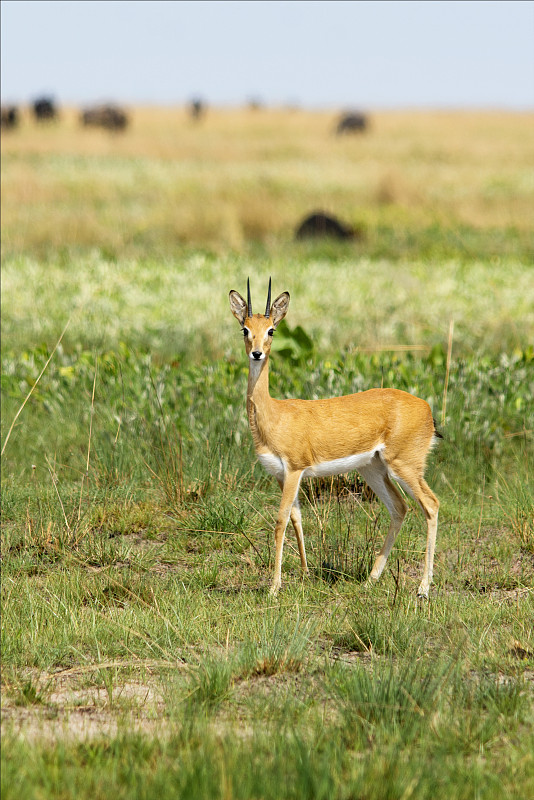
156, 153
311, 55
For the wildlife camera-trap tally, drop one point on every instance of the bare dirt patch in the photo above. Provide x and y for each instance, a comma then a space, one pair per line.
82, 717
62, 707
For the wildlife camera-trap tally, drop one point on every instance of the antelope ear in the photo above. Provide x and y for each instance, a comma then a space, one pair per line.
238, 306
279, 308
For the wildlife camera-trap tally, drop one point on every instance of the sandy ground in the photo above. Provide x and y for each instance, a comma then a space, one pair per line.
81, 714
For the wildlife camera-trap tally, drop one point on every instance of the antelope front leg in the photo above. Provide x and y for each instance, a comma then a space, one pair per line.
289, 493
296, 519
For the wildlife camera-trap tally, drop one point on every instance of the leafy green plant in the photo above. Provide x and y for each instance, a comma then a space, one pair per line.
293, 344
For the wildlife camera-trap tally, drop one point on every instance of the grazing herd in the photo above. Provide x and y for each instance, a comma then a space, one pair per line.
45, 109
107, 116
318, 224
113, 118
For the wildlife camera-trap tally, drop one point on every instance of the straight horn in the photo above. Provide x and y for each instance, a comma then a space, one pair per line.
268, 306
249, 301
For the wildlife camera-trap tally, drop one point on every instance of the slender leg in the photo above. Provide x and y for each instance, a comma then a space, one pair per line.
430, 506
376, 476
289, 494
296, 519
418, 488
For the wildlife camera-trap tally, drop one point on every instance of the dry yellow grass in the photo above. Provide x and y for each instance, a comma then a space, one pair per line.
239, 175
130, 232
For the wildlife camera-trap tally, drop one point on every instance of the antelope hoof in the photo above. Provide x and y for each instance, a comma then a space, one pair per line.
422, 593
275, 588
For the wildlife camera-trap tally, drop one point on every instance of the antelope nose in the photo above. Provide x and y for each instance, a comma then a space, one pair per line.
256, 354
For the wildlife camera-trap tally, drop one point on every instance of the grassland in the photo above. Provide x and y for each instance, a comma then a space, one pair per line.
141, 653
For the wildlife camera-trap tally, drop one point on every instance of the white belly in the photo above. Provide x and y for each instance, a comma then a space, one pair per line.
275, 465
339, 465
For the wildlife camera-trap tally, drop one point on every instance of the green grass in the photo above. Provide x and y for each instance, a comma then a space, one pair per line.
148, 632
142, 655
178, 307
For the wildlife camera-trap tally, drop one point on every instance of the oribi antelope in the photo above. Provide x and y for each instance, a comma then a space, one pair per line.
384, 434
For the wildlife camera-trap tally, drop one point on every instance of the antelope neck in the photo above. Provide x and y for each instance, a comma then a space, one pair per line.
258, 379
258, 387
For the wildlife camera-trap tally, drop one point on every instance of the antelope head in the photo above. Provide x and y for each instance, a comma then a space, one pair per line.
258, 329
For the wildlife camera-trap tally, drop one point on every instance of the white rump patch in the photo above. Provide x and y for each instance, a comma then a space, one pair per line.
340, 465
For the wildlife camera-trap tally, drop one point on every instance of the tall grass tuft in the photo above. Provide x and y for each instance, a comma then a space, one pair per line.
279, 648
210, 684
516, 498
391, 700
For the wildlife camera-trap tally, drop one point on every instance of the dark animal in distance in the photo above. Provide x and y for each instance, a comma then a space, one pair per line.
318, 225
9, 117
197, 108
353, 122
254, 104
44, 109
109, 117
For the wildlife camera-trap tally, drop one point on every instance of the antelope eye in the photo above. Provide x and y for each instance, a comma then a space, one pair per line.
271, 331
245, 331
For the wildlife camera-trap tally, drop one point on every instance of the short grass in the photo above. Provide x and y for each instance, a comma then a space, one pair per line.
142, 655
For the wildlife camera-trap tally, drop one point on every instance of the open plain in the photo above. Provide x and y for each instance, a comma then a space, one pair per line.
141, 653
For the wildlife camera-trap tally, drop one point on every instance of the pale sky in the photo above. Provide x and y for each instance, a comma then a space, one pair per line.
382, 54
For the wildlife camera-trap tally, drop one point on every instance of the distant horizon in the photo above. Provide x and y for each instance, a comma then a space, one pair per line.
385, 55
264, 106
